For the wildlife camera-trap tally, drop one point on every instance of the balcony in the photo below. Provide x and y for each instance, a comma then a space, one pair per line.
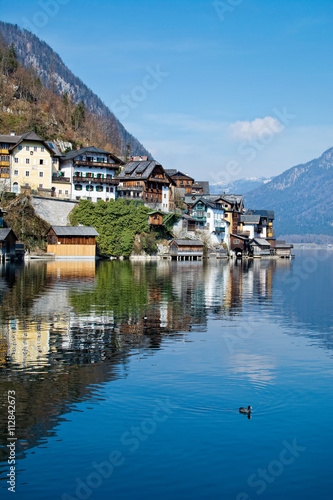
4, 163
60, 179
4, 152
95, 180
99, 164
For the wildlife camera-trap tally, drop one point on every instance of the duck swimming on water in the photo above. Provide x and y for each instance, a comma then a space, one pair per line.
246, 411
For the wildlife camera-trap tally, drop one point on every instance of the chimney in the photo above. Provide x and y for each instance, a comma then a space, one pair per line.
12, 133
78, 148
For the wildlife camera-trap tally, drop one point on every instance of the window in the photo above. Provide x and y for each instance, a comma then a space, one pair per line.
66, 191
111, 190
20, 148
15, 172
40, 186
99, 188
60, 191
27, 161
35, 148
15, 160
78, 187
42, 149
27, 148
41, 174
107, 189
208, 215
89, 188
41, 162
27, 173
54, 160
164, 195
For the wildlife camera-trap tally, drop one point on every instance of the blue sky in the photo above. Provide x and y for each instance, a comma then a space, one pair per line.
221, 90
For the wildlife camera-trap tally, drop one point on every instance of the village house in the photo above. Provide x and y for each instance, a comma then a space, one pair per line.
72, 242
211, 217
28, 162
90, 173
147, 181
183, 181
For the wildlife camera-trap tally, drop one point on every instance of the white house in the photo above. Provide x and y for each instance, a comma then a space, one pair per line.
211, 217
91, 172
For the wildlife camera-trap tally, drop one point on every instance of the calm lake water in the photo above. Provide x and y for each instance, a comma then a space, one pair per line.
128, 379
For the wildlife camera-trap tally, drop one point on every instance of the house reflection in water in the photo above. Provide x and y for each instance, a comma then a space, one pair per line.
80, 322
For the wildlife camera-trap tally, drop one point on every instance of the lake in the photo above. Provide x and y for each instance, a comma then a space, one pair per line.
127, 379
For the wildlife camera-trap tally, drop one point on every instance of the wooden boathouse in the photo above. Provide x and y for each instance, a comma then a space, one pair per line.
67, 242
186, 249
8, 241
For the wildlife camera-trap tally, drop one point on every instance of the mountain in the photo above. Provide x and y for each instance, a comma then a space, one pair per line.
33, 52
302, 198
238, 186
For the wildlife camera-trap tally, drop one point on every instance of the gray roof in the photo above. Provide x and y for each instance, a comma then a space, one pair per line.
74, 231
4, 232
171, 171
194, 243
208, 203
283, 244
204, 185
144, 168
55, 148
10, 139
261, 242
250, 219
264, 213
91, 149
188, 198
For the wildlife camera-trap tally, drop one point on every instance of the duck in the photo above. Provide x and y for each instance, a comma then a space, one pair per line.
246, 411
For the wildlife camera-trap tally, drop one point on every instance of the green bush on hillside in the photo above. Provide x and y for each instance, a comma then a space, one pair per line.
117, 223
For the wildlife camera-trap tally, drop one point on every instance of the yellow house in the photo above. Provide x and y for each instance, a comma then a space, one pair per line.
32, 164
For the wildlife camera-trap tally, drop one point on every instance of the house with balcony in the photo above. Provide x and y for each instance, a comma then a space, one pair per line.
91, 174
146, 180
183, 182
210, 216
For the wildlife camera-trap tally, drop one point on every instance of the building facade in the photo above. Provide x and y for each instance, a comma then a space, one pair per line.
90, 173
147, 181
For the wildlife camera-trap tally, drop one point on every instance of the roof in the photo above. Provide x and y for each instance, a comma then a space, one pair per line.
133, 168
239, 236
10, 139
250, 219
55, 148
204, 185
156, 212
261, 242
90, 149
186, 243
32, 136
4, 232
264, 213
74, 231
283, 244
176, 173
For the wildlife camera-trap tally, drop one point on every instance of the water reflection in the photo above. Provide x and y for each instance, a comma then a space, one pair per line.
69, 326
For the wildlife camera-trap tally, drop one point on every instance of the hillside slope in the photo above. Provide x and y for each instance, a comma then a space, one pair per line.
301, 198
32, 52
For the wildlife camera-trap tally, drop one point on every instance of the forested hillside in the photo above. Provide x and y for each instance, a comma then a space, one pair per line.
50, 73
301, 198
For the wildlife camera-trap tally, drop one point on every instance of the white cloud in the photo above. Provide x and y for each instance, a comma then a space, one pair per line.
257, 129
